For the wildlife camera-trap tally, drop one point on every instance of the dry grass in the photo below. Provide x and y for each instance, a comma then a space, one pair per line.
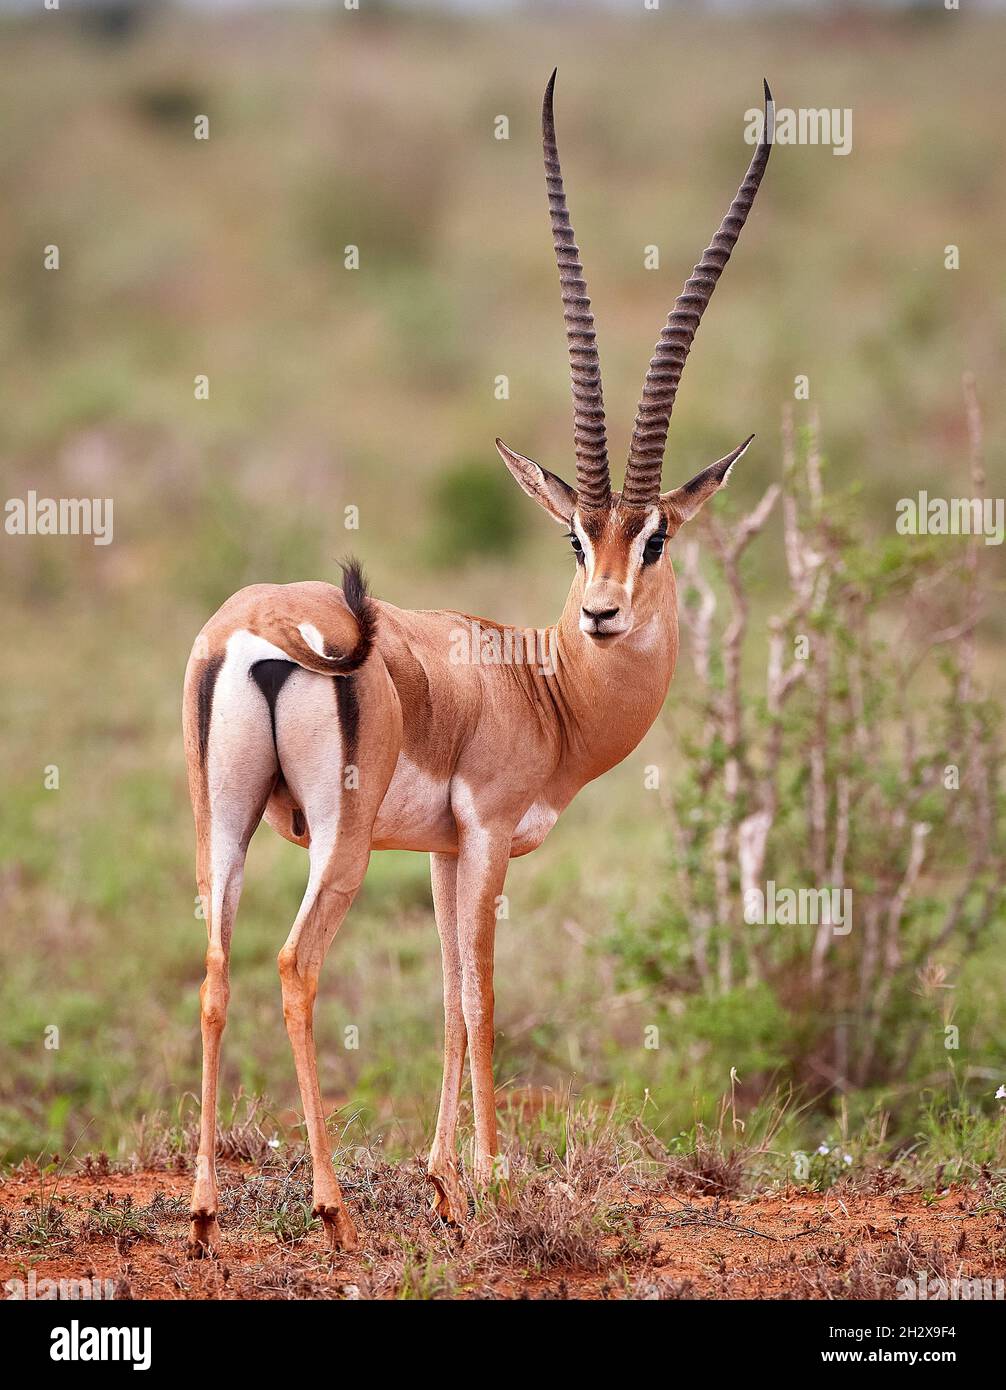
592, 1208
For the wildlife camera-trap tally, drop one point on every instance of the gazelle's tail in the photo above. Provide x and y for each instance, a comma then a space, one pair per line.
330, 653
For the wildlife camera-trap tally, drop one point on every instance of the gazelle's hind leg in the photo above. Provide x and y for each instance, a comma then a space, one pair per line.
335, 877
221, 890
339, 776
230, 780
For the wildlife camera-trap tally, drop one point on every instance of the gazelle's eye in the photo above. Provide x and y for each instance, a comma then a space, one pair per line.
574, 541
654, 547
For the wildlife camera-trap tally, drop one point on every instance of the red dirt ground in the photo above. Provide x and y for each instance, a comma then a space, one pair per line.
798, 1244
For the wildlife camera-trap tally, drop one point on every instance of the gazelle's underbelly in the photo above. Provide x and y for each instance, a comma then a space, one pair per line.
416, 812
416, 815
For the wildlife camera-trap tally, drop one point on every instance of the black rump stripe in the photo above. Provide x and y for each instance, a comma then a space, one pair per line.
207, 683
348, 700
270, 676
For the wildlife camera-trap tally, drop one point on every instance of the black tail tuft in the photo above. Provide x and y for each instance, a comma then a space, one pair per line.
361, 605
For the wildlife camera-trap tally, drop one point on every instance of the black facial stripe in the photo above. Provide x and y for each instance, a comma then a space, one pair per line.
653, 547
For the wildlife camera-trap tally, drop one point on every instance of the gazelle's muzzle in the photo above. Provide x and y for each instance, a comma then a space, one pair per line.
606, 609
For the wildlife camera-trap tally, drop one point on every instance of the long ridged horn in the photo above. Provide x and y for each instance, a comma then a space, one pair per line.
649, 434
593, 480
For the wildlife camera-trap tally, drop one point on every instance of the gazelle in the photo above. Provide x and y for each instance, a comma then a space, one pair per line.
350, 725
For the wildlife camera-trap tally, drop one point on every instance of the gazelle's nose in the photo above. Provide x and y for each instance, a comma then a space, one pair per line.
606, 609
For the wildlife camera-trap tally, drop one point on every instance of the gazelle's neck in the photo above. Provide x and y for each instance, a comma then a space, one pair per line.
610, 695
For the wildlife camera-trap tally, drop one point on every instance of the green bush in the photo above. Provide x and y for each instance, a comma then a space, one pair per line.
872, 767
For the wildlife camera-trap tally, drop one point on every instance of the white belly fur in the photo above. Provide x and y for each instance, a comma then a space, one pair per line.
535, 824
415, 812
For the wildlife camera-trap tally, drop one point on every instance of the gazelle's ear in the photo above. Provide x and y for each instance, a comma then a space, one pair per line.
550, 492
688, 499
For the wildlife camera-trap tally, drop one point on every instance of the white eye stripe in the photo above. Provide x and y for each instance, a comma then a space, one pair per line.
585, 545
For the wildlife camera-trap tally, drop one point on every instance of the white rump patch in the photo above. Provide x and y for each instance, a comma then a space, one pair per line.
244, 648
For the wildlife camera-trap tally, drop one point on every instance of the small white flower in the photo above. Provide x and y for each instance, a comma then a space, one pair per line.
847, 1160
824, 1149
273, 1143
1001, 1093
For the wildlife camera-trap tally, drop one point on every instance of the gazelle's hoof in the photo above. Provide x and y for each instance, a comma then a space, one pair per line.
449, 1200
339, 1229
204, 1234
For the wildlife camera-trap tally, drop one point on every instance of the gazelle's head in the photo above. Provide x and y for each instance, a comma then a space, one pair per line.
620, 539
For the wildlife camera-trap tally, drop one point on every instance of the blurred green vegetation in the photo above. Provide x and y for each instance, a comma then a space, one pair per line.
475, 514
374, 388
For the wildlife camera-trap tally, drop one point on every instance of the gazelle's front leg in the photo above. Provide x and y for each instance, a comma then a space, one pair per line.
449, 1202
482, 865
